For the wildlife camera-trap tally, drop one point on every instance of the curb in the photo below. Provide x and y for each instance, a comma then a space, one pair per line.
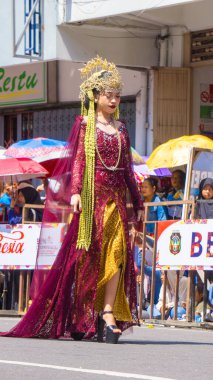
178, 324
10, 314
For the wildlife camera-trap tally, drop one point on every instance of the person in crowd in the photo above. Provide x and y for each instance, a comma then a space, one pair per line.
42, 188
204, 210
170, 296
148, 276
92, 282
155, 213
199, 301
209, 315
6, 195
5, 199
204, 203
176, 194
26, 193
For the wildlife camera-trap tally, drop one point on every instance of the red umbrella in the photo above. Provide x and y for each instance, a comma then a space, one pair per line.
19, 169
40, 149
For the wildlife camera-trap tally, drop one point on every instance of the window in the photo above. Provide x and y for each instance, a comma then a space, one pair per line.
202, 45
27, 126
10, 130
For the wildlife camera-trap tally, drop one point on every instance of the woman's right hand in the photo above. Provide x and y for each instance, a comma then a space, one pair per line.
76, 203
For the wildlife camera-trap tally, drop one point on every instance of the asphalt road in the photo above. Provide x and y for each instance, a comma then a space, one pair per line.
156, 353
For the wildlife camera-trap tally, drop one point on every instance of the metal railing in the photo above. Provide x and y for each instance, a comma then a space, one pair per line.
137, 239
16, 283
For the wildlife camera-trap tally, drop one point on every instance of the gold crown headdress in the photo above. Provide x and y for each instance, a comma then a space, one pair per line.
94, 71
100, 75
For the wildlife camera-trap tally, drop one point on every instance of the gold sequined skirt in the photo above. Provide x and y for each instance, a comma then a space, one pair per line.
113, 258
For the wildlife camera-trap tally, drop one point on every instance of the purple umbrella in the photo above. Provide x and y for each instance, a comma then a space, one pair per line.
144, 170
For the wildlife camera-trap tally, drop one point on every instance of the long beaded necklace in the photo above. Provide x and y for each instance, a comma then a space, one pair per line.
112, 168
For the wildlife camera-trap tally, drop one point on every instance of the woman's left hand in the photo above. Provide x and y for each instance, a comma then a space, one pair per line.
139, 215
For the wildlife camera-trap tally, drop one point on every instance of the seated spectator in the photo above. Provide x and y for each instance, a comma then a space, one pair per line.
170, 296
204, 203
209, 315
42, 188
26, 193
5, 199
155, 213
6, 195
176, 194
199, 302
204, 210
148, 273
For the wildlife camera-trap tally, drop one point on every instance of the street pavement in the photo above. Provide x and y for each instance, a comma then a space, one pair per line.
146, 352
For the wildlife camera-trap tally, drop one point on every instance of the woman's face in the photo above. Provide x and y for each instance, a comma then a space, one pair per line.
147, 190
207, 192
20, 198
9, 191
108, 101
176, 181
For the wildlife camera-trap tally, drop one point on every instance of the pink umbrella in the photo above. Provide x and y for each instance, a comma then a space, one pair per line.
139, 177
40, 149
19, 169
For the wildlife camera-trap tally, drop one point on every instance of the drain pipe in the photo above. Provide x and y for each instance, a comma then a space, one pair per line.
142, 114
163, 42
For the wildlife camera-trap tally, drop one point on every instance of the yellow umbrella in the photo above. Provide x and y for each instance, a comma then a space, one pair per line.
136, 158
176, 152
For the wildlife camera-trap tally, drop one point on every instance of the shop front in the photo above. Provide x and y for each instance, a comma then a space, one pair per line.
24, 88
41, 100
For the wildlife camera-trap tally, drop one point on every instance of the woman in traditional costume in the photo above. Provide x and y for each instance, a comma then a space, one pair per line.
91, 284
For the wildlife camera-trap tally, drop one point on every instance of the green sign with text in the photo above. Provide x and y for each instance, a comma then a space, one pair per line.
23, 84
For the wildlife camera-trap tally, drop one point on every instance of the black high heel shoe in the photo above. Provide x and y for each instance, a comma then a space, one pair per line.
77, 335
111, 336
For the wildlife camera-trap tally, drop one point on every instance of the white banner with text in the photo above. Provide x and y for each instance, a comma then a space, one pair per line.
19, 245
185, 244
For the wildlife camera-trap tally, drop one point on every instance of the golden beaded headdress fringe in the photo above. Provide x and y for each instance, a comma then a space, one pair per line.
94, 80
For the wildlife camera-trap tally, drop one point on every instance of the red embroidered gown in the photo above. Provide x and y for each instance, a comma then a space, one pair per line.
73, 293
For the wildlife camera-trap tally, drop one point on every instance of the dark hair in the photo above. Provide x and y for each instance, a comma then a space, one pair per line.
86, 101
203, 183
152, 181
104, 74
182, 177
29, 181
32, 196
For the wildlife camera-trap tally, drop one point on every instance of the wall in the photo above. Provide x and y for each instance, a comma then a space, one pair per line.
150, 114
50, 18
70, 80
135, 85
82, 44
6, 34
6, 31
201, 75
66, 42
84, 10
199, 15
